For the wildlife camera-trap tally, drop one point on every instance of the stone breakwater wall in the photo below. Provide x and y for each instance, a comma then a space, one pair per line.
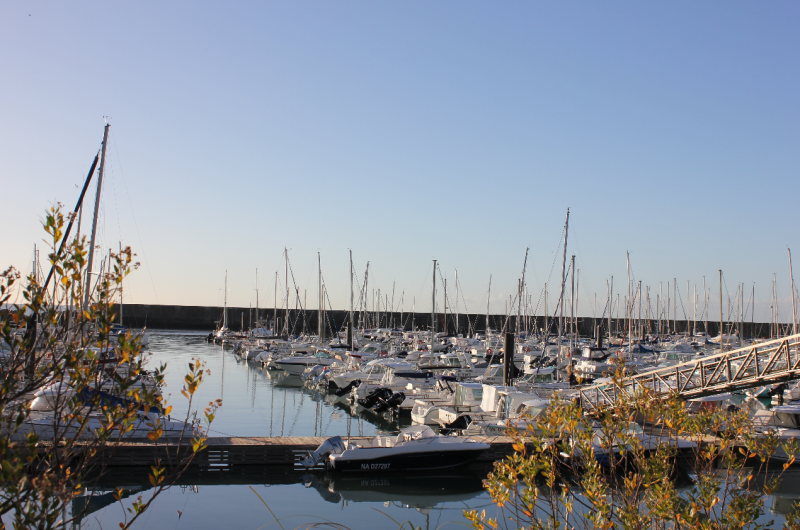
203, 318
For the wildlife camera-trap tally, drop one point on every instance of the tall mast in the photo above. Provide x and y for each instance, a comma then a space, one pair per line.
352, 325
669, 308
658, 305
391, 311
546, 329
319, 313
675, 307
640, 310
433, 308
257, 297
627, 301
225, 302
275, 307
705, 307
96, 213
444, 286
488, 301
364, 305
456, 302
794, 300
610, 306
688, 294
577, 298
521, 289
721, 328
286, 275
563, 283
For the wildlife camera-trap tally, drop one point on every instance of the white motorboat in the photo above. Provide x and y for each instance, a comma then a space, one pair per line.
414, 449
297, 365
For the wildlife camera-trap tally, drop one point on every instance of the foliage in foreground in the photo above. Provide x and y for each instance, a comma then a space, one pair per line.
53, 344
570, 470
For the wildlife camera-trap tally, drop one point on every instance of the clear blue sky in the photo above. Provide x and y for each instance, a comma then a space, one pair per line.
408, 131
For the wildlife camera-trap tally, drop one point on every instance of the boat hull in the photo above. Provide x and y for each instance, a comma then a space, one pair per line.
407, 462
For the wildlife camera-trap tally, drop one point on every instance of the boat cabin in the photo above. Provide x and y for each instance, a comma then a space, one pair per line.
513, 404
708, 403
541, 375
468, 394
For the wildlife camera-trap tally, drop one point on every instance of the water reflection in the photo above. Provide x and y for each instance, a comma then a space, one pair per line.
415, 491
290, 495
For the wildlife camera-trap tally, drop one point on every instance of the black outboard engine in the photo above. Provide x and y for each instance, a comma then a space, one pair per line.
395, 400
459, 424
379, 393
350, 386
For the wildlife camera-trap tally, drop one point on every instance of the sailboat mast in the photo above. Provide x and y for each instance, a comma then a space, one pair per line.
257, 297
96, 213
433, 308
610, 306
225, 302
791, 287
675, 307
721, 327
488, 301
352, 325
456, 302
627, 301
319, 300
563, 283
286, 276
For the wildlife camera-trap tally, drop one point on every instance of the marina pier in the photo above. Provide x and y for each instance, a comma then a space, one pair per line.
240, 452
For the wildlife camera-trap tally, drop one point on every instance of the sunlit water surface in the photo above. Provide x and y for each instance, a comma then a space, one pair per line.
257, 402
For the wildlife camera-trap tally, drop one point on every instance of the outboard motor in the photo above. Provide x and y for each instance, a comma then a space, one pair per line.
395, 400
459, 424
350, 386
320, 376
370, 401
331, 445
309, 373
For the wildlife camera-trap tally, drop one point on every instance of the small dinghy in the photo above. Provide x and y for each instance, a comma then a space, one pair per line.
414, 449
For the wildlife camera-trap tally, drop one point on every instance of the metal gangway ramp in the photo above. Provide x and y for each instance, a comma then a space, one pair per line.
764, 363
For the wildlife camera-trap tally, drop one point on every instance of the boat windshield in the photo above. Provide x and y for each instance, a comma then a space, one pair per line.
533, 412
465, 394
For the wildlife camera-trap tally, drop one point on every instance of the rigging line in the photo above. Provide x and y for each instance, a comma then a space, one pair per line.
110, 163
685, 316
133, 214
555, 255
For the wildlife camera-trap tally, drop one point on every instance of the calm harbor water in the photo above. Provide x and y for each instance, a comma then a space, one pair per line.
257, 402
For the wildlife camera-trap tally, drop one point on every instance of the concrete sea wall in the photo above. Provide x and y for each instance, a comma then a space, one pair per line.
202, 318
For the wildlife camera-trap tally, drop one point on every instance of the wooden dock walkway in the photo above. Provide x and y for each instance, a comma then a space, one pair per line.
228, 452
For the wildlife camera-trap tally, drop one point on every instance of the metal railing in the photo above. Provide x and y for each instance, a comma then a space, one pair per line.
760, 364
